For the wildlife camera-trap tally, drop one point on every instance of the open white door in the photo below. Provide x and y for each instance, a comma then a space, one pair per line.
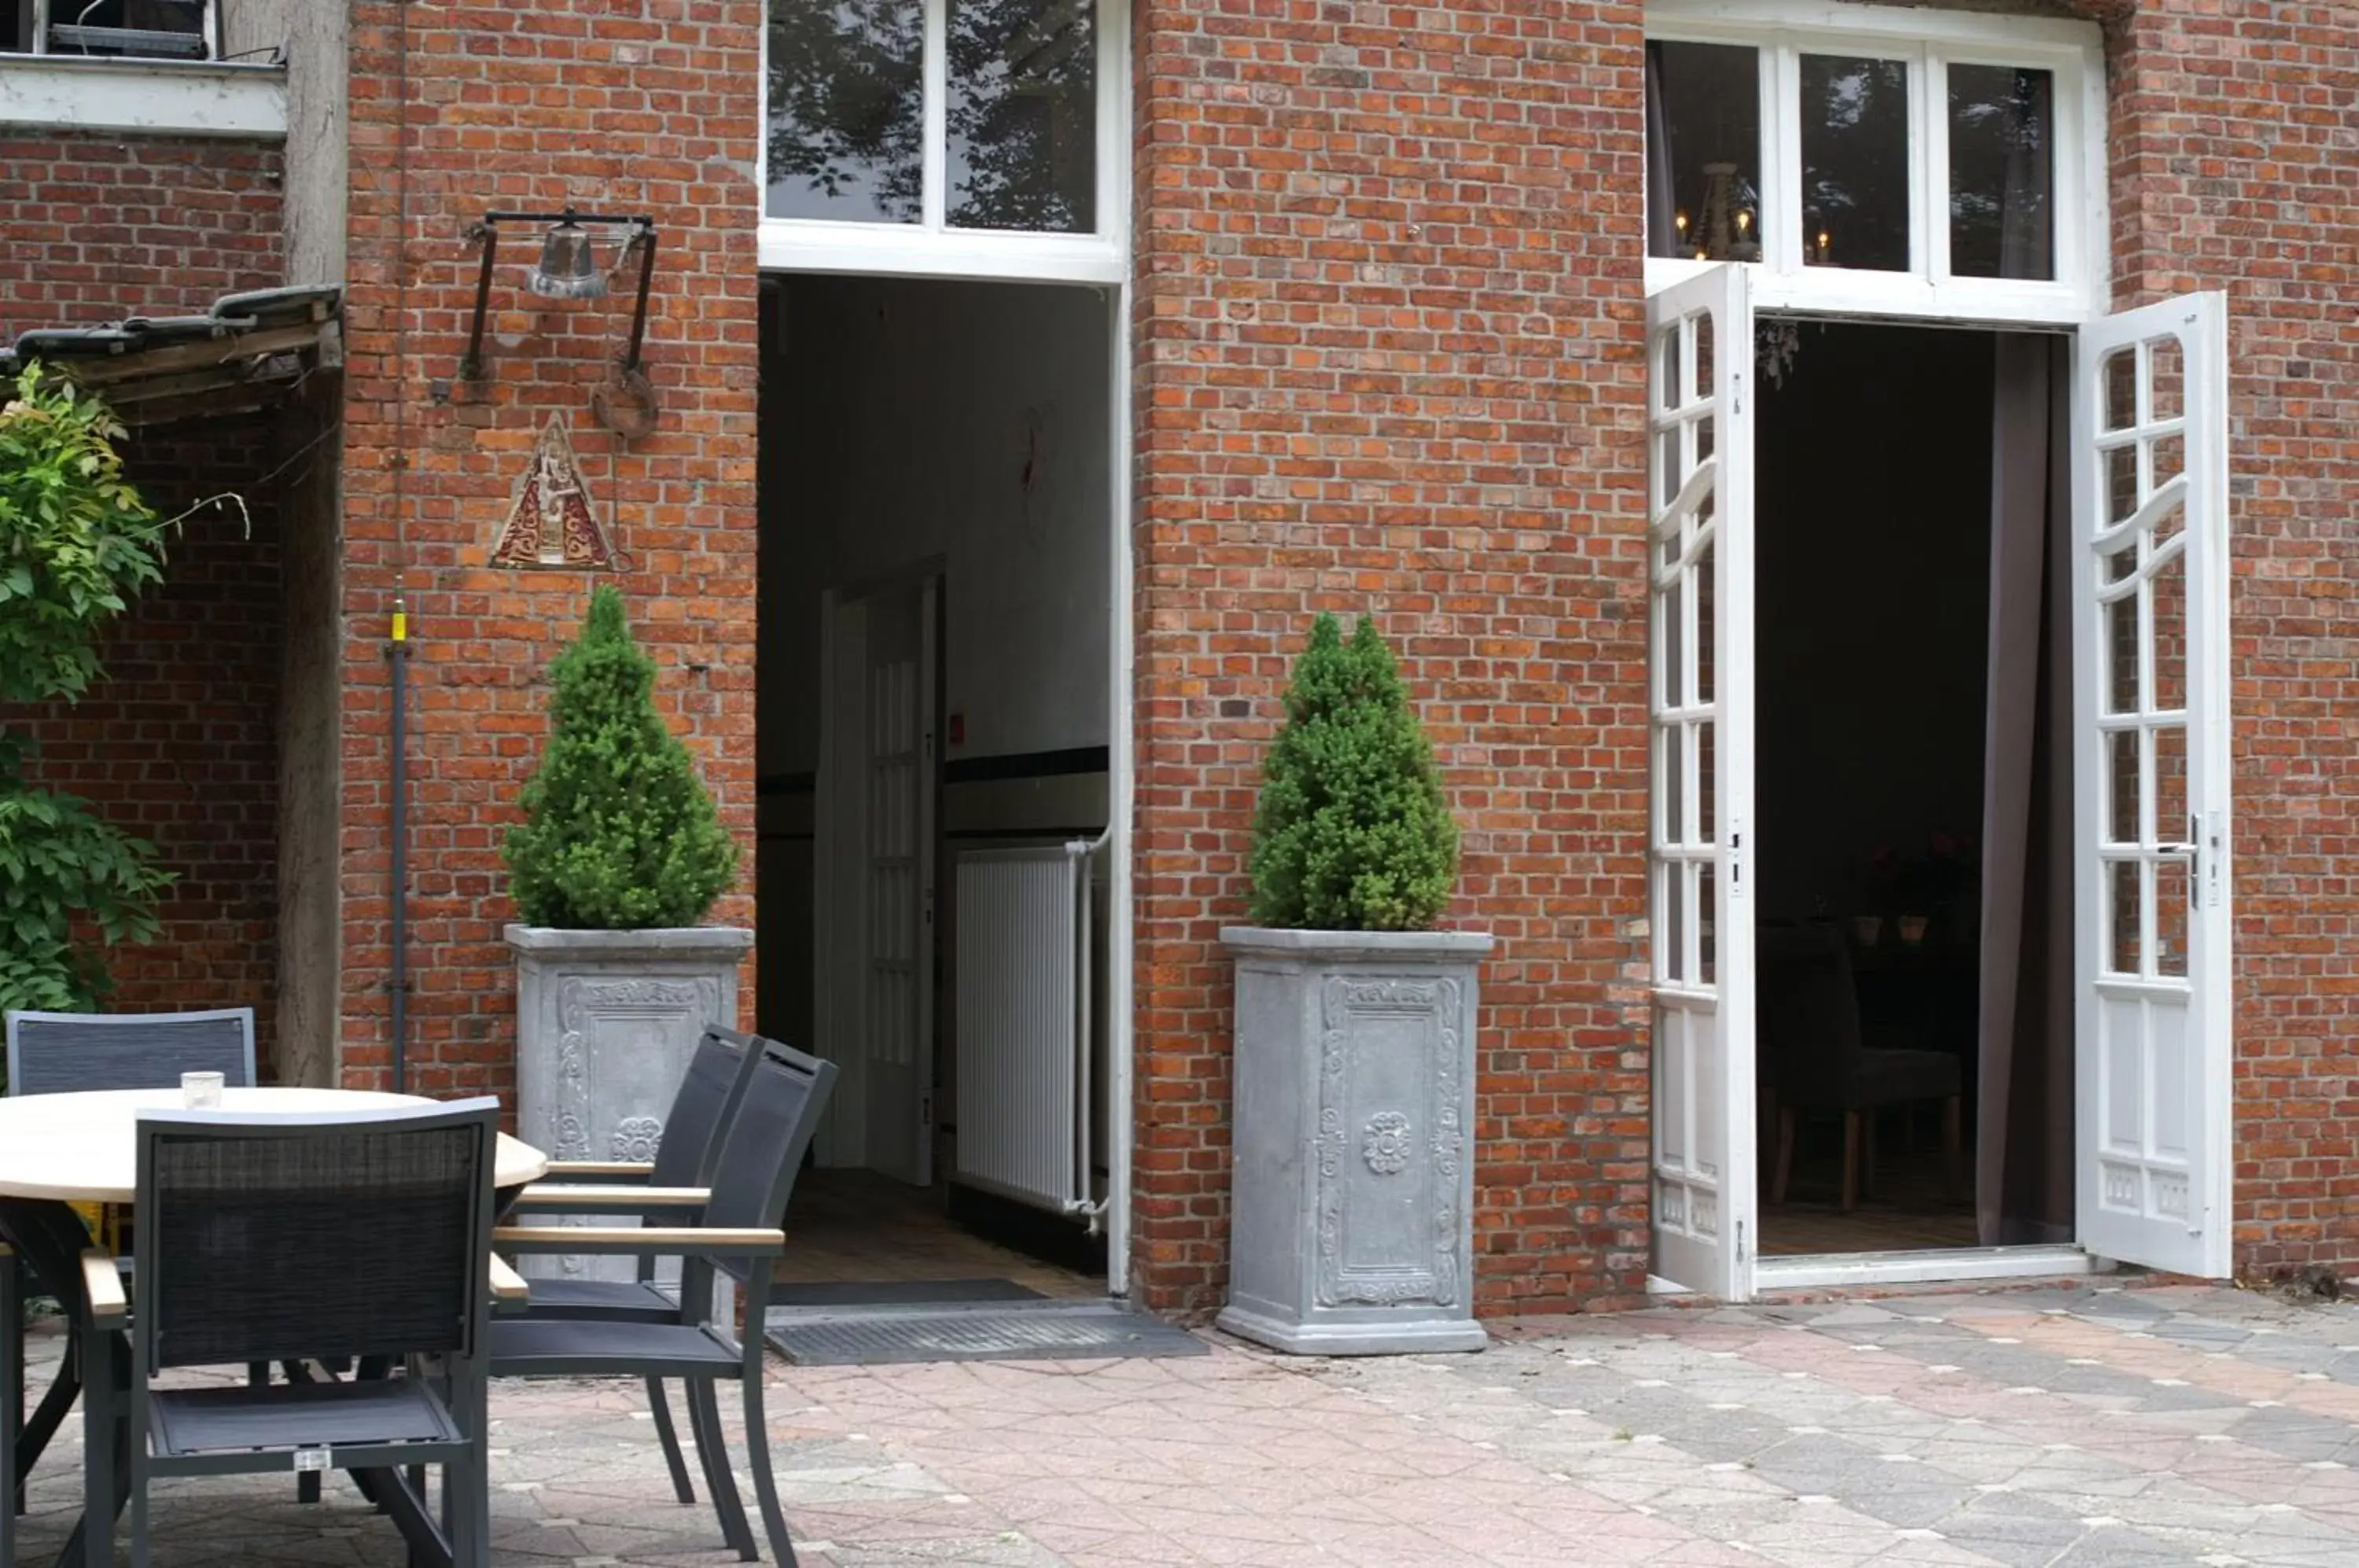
898, 948
2151, 761
1699, 552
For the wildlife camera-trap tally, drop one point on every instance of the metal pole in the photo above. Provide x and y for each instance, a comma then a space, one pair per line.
647, 243
398, 651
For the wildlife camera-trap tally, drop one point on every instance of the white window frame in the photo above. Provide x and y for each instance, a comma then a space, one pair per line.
1931, 42
931, 248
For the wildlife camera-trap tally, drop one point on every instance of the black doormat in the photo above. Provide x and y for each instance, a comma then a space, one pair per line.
902, 1292
1046, 1331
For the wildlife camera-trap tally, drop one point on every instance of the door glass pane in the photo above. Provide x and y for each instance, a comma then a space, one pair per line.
2120, 484
1675, 784
2001, 170
2167, 606
2170, 821
1672, 629
2171, 912
1023, 115
1707, 580
2121, 655
2122, 917
2121, 786
1674, 944
1854, 194
2120, 381
2166, 379
1707, 921
847, 115
1703, 151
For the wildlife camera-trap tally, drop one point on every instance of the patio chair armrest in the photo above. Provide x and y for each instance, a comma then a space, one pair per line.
508, 1287
599, 1171
102, 1286
559, 1198
663, 1241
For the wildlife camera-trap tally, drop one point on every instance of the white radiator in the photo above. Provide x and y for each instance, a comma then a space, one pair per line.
1025, 1018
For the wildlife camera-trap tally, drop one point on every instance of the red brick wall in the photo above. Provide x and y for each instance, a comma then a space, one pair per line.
2234, 167
102, 227
641, 108
1390, 341
179, 741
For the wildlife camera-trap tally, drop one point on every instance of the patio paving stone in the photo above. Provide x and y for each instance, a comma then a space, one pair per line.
2083, 1427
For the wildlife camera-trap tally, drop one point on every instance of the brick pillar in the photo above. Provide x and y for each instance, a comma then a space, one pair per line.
1388, 344
456, 109
2234, 167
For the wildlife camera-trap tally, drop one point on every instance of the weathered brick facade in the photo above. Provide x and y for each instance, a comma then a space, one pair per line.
2236, 166
101, 227
457, 109
1390, 341
1387, 348
179, 741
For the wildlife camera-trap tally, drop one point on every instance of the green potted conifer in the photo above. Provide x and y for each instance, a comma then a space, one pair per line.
1352, 1185
620, 856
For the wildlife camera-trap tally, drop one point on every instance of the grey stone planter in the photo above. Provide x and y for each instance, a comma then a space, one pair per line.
605, 1022
1351, 1229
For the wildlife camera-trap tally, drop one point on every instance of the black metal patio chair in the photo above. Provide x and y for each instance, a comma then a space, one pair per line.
303, 1239
674, 1185
739, 1236
61, 1053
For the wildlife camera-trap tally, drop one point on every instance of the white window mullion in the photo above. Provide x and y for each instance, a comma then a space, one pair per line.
1113, 118
1933, 170
1784, 109
937, 72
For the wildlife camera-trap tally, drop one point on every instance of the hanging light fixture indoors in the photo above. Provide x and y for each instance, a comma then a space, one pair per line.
567, 269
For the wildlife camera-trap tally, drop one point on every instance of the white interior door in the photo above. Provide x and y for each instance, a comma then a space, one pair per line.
1700, 511
2150, 635
896, 975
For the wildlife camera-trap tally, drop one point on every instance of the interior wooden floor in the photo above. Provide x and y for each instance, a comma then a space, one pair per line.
846, 1226
1910, 1210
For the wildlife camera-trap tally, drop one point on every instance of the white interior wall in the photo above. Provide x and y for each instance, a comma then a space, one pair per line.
966, 423
963, 427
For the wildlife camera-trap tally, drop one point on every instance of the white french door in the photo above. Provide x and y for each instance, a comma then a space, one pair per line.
1700, 706
897, 948
874, 924
2151, 765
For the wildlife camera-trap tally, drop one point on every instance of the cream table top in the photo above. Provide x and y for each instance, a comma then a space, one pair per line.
85, 1148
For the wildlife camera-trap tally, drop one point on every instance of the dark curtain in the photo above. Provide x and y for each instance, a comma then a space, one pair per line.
2023, 1174
1662, 232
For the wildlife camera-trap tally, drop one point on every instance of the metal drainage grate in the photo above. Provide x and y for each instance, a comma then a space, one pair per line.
883, 1336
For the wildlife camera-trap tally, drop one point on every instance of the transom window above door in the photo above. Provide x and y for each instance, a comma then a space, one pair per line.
959, 137
1878, 159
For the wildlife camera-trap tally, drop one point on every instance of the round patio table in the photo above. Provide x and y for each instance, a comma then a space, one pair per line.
85, 1147
59, 1149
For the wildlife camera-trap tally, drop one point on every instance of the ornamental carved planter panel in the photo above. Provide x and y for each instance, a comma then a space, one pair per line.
605, 1024
1352, 1179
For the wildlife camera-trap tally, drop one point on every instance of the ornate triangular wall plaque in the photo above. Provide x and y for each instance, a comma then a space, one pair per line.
552, 521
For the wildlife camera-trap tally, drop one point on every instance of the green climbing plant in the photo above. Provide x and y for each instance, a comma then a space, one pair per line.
1353, 832
78, 542
619, 834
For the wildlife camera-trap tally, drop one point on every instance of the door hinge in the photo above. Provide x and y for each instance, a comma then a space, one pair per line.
1735, 859
926, 1112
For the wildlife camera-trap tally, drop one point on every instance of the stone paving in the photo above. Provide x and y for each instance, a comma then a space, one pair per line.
2051, 1428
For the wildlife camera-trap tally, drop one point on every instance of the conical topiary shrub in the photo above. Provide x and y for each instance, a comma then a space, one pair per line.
1352, 832
619, 834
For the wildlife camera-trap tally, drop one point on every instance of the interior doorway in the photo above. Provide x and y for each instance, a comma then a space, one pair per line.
1883, 772
936, 703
